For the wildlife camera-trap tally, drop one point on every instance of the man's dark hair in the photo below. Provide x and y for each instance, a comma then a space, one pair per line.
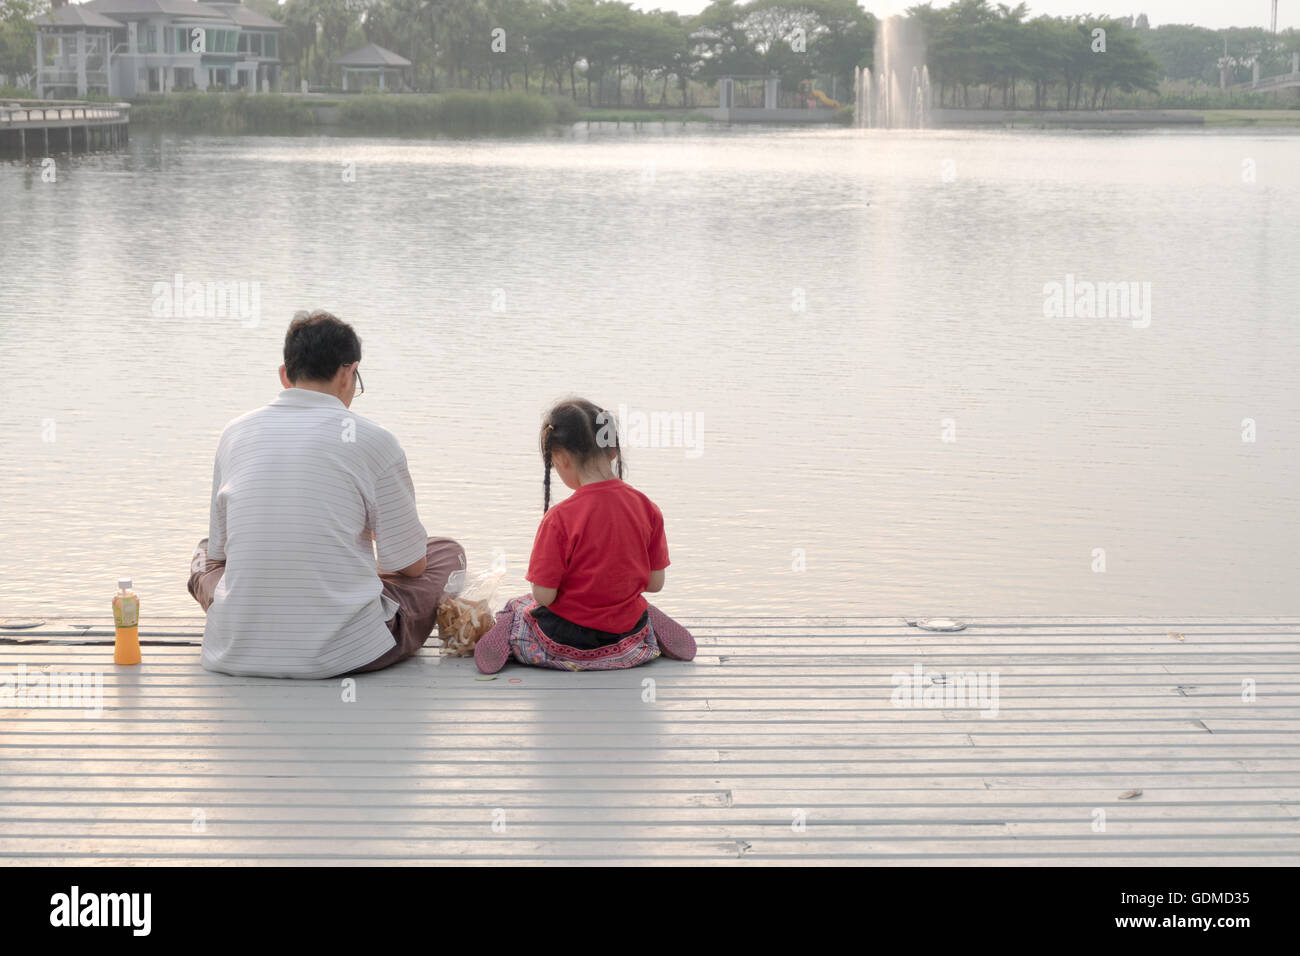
316, 344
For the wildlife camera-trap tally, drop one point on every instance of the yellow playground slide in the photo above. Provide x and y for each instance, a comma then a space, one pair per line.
825, 100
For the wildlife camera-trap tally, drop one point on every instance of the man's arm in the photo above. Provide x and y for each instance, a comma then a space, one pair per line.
414, 570
411, 570
544, 596
656, 582
216, 550
399, 535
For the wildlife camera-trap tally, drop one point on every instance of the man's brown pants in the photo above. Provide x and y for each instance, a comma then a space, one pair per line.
418, 597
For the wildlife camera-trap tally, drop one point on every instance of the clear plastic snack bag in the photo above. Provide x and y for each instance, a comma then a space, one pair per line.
465, 612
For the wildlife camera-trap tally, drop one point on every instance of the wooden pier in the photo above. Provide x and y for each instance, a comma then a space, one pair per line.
36, 128
1114, 742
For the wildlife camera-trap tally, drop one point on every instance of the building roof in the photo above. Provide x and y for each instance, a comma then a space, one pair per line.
372, 54
96, 13
76, 15
174, 8
246, 17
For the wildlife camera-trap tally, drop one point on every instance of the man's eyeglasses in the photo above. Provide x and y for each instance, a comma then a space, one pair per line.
361, 386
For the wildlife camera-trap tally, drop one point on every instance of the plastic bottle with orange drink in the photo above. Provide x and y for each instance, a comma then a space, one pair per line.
126, 623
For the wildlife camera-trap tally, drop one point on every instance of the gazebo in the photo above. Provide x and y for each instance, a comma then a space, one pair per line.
75, 45
370, 60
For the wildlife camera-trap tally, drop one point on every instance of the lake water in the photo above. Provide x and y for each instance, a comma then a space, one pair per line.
883, 420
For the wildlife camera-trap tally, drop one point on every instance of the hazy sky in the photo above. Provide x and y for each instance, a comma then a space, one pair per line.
1205, 13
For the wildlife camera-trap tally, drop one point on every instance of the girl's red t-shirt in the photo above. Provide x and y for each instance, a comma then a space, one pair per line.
597, 549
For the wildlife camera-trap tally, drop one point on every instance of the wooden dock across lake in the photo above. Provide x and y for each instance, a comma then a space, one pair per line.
1115, 742
35, 127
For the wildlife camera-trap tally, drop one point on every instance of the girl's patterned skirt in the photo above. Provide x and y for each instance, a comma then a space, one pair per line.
529, 645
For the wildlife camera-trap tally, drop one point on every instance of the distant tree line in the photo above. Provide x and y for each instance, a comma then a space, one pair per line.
601, 52
606, 53
1070, 62
1193, 53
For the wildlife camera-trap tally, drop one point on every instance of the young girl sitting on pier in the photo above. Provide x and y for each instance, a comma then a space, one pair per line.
594, 555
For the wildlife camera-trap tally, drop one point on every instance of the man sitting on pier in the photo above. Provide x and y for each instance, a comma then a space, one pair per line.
300, 490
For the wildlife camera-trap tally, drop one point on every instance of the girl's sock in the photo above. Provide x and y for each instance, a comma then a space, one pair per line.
674, 640
493, 648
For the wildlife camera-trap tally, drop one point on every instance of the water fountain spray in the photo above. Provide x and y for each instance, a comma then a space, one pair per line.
897, 94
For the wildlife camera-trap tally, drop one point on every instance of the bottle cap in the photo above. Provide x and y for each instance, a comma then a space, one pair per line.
124, 583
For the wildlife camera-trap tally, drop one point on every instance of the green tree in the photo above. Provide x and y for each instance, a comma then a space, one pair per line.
720, 42
1126, 65
18, 36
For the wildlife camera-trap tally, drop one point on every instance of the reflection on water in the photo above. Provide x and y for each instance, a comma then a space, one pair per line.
852, 321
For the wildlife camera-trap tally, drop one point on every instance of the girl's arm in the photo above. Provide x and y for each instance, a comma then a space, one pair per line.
548, 561
656, 582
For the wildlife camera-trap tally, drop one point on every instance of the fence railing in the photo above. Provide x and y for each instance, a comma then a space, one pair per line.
95, 73
1278, 81
11, 115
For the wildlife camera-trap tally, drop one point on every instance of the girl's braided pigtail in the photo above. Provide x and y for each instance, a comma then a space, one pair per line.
546, 463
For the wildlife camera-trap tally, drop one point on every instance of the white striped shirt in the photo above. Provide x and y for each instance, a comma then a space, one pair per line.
297, 488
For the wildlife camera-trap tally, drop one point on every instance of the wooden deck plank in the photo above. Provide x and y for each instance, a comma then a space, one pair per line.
666, 858
775, 718
943, 756
833, 835
1280, 757
234, 815
555, 797
154, 675
1000, 847
838, 695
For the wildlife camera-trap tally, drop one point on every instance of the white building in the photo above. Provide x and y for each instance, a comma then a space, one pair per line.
125, 48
